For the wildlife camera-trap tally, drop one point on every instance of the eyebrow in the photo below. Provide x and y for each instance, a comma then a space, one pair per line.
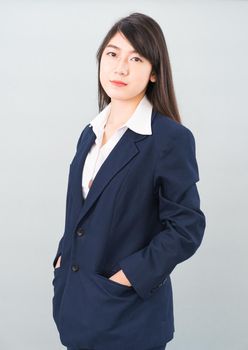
117, 48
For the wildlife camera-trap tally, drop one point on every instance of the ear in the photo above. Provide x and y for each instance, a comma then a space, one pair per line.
153, 77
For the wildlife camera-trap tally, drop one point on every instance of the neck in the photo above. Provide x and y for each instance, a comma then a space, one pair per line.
121, 110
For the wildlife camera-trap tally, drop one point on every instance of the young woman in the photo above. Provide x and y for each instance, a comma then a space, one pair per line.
132, 208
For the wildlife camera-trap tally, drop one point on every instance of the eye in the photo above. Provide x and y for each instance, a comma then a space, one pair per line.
138, 59
111, 52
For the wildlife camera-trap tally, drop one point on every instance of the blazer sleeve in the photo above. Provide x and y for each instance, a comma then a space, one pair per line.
183, 221
60, 244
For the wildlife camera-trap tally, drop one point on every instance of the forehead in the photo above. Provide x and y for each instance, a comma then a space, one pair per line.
120, 43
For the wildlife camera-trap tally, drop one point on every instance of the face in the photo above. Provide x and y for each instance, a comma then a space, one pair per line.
120, 63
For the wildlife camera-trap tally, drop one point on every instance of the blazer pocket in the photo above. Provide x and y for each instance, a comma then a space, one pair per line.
104, 276
56, 270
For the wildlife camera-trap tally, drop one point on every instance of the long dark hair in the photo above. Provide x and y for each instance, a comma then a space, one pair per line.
146, 36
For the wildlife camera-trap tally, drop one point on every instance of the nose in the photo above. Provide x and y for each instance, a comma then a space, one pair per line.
121, 67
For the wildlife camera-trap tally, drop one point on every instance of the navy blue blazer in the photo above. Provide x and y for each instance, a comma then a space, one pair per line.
142, 215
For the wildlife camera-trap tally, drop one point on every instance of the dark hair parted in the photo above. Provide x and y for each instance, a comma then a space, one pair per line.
146, 36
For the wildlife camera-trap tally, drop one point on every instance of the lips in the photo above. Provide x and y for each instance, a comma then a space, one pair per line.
118, 83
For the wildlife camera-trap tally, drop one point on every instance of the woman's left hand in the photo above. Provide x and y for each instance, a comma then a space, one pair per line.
121, 278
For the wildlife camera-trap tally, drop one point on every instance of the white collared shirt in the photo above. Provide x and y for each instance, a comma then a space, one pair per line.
140, 122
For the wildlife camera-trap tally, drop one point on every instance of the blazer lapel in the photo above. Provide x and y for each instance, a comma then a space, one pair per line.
122, 153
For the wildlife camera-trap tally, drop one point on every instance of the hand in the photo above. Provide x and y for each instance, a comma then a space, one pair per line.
121, 278
58, 262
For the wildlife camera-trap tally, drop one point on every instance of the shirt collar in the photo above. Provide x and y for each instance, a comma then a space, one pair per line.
140, 120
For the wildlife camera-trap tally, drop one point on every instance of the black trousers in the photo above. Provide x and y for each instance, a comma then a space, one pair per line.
157, 348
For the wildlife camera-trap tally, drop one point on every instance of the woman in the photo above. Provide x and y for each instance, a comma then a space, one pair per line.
132, 208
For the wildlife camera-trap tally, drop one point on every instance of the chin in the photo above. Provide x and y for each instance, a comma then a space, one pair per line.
115, 95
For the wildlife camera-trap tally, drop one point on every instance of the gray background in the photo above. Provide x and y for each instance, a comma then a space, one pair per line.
48, 91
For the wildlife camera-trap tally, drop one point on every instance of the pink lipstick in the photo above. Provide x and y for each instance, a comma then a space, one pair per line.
118, 83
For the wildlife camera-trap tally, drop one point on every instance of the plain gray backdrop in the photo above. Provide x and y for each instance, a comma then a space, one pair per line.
48, 90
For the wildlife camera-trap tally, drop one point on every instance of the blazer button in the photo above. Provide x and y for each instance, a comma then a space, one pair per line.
80, 231
75, 268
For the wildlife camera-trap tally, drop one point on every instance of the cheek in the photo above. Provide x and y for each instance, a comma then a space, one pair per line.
142, 77
104, 71
103, 77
